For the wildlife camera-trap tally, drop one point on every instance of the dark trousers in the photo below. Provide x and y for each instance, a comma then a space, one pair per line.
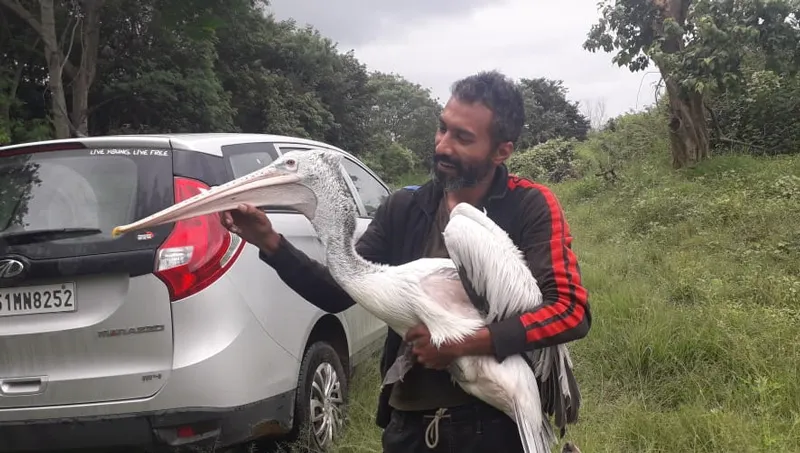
473, 428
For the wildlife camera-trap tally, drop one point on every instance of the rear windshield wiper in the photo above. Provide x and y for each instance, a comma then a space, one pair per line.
34, 236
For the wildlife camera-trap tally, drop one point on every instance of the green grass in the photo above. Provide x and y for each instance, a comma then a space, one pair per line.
694, 280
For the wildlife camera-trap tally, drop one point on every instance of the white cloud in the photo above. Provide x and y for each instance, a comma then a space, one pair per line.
521, 38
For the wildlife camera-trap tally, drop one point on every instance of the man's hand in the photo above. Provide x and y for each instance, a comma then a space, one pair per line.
478, 344
252, 225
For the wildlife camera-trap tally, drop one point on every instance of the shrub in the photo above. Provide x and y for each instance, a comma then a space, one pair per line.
391, 161
551, 161
763, 117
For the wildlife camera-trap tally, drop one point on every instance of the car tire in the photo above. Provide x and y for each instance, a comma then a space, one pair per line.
321, 397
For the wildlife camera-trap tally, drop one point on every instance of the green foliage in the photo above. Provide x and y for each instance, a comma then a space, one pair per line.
391, 160
548, 113
711, 62
551, 161
22, 111
627, 138
405, 113
211, 66
702, 47
763, 117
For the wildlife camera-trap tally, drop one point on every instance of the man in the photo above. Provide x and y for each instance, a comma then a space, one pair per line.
477, 129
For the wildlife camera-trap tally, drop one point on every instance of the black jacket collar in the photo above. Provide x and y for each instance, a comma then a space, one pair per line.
430, 194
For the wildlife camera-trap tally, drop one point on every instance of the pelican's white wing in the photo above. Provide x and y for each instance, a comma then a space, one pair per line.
493, 270
490, 265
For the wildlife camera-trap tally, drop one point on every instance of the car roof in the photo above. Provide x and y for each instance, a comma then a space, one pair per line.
209, 143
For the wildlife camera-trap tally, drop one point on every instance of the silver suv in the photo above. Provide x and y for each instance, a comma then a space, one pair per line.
171, 336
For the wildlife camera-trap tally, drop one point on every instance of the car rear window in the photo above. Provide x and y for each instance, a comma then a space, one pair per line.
85, 188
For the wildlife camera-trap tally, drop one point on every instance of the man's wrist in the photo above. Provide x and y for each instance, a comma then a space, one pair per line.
270, 244
479, 344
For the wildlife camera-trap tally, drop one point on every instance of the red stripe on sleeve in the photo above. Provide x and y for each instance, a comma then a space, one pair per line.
568, 310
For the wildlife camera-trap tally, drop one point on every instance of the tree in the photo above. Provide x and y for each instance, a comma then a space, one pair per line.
82, 21
23, 77
548, 113
403, 112
698, 48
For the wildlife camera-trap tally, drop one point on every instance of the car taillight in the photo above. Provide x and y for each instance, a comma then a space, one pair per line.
198, 251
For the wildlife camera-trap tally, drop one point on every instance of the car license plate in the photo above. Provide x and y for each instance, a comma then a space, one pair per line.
35, 300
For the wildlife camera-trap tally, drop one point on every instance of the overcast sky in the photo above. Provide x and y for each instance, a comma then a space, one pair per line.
435, 42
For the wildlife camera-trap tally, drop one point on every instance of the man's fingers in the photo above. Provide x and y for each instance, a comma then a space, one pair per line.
416, 333
249, 210
250, 213
227, 222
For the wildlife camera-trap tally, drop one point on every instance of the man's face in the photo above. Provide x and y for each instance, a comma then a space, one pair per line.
465, 154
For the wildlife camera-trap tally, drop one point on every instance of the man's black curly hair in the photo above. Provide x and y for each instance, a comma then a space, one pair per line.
500, 95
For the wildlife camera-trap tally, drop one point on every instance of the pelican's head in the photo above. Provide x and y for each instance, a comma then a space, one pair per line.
298, 179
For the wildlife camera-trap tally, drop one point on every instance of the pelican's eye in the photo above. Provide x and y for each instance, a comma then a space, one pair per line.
291, 164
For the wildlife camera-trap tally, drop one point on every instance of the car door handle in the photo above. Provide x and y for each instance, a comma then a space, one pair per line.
23, 386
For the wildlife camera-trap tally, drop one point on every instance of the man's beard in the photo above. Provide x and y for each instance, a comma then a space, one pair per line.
466, 175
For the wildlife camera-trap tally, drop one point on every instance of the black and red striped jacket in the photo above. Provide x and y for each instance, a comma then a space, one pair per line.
532, 216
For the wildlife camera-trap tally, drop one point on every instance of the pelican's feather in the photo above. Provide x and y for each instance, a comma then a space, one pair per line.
442, 285
491, 263
500, 284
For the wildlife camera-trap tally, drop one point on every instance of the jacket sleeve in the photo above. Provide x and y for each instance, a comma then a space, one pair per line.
312, 280
564, 315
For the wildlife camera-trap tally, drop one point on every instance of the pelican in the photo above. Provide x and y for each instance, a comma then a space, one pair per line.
486, 279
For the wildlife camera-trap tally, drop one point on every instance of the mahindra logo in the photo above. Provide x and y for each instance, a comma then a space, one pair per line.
10, 268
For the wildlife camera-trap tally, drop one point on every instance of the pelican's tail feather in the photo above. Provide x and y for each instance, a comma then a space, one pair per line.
535, 439
559, 390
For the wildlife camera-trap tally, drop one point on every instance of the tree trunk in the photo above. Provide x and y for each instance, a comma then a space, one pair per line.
5, 109
54, 66
688, 129
81, 84
689, 136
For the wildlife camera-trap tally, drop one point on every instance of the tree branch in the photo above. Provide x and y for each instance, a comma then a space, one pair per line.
24, 14
71, 42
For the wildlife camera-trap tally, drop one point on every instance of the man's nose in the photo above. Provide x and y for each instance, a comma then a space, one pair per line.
444, 144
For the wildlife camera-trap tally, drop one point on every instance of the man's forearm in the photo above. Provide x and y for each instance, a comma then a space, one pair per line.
479, 344
511, 336
305, 276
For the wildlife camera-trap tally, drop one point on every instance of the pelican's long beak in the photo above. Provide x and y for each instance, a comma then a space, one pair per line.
267, 186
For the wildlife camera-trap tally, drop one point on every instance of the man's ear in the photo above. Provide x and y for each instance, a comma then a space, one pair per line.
502, 152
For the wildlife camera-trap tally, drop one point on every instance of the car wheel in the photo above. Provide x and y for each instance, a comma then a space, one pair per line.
321, 396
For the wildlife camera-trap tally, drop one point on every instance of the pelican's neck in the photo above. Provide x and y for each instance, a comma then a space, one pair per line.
335, 224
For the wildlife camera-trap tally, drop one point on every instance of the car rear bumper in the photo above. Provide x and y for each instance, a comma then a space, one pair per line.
220, 427
228, 373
